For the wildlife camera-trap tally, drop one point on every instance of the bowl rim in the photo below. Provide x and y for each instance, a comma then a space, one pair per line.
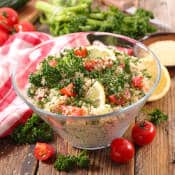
157, 34
115, 112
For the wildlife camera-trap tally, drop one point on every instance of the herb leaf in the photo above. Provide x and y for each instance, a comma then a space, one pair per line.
156, 116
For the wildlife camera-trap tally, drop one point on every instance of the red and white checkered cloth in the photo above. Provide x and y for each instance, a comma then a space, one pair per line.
13, 110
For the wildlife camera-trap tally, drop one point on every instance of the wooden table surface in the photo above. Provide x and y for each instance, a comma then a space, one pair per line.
158, 158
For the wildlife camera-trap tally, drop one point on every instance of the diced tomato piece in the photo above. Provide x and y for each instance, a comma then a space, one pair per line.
43, 151
128, 51
112, 98
117, 100
81, 52
72, 110
137, 82
53, 63
90, 65
68, 90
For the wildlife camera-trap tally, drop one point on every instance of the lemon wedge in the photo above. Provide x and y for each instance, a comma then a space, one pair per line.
100, 52
163, 86
96, 94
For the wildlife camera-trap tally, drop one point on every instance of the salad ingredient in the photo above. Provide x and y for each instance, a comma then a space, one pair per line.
143, 133
43, 151
15, 4
9, 24
62, 84
34, 130
68, 90
96, 94
71, 110
83, 160
65, 163
3, 36
81, 52
122, 150
68, 163
137, 81
165, 51
24, 26
72, 17
163, 86
156, 116
165, 81
8, 18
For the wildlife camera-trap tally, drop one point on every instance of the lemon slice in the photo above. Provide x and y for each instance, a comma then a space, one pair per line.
163, 86
101, 52
102, 110
96, 94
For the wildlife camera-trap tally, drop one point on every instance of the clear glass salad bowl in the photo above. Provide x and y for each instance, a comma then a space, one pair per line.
87, 132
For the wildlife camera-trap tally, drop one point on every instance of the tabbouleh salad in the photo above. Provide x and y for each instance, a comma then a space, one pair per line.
88, 80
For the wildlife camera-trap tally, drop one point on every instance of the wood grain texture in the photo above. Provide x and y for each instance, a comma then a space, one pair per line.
158, 158
16, 160
100, 163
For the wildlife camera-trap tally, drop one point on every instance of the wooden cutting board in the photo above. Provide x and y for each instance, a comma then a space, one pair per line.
28, 12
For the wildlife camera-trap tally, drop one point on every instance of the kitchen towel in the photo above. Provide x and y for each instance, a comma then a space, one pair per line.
20, 49
13, 110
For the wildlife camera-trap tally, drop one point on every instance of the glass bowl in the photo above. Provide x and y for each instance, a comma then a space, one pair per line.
87, 132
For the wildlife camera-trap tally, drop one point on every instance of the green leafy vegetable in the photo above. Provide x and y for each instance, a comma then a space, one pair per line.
51, 75
35, 79
75, 16
68, 163
65, 163
34, 130
83, 160
156, 116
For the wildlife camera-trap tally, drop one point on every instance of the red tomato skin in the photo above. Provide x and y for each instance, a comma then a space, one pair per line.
24, 26
122, 150
43, 151
128, 51
90, 65
117, 100
9, 17
72, 110
3, 37
137, 82
143, 133
68, 90
82, 52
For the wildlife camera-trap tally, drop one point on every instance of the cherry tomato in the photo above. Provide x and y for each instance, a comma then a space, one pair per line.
3, 37
68, 90
72, 110
43, 151
24, 26
137, 82
8, 18
128, 51
143, 133
82, 52
117, 100
122, 150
